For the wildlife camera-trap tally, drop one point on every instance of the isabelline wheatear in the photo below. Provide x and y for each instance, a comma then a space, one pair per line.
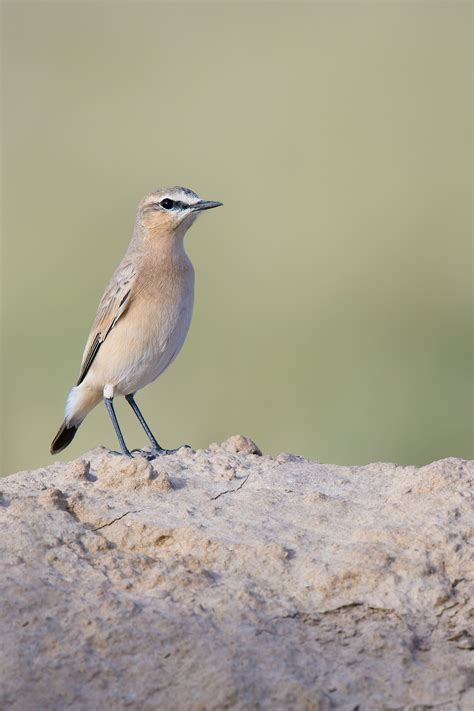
143, 317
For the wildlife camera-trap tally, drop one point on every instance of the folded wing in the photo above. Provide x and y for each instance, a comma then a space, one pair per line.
114, 304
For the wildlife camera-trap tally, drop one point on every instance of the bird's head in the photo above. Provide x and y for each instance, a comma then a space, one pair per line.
172, 209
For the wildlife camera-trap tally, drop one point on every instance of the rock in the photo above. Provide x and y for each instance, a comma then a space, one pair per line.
239, 443
53, 498
221, 579
123, 474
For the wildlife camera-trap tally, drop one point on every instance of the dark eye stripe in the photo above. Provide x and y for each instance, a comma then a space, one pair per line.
180, 205
177, 204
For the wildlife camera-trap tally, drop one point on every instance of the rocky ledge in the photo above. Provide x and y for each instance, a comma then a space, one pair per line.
222, 578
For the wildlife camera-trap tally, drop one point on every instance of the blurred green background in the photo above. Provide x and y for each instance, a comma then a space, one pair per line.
333, 309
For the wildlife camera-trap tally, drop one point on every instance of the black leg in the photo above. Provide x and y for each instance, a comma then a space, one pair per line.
110, 409
156, 447
154, 443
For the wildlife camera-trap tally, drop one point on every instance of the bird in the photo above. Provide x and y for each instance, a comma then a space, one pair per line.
143, 317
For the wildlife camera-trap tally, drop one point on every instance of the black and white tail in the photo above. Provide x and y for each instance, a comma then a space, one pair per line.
63, 438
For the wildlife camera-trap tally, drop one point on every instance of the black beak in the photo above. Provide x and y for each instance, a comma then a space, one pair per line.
206, 205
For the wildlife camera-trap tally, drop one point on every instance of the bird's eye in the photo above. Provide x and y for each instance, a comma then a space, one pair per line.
167, 203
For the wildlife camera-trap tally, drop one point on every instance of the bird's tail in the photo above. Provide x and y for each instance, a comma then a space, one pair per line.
80, 402
63, 438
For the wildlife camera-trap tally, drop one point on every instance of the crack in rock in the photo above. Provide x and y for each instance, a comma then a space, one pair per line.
105, 525
230, 491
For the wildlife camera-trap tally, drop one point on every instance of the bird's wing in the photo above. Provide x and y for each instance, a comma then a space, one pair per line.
113, 305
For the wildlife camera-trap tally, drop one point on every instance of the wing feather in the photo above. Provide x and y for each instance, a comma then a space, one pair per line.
113, 305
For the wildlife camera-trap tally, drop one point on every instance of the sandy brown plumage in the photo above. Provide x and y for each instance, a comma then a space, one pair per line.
144, 315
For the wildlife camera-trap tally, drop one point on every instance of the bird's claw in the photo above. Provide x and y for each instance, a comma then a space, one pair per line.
121, 454
157, 451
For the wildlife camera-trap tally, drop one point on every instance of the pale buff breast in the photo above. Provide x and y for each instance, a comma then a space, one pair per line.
148, 337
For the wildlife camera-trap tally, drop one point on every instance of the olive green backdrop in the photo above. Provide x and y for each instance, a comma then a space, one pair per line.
333, 309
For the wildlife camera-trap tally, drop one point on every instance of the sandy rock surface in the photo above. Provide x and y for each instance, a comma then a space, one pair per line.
225, 579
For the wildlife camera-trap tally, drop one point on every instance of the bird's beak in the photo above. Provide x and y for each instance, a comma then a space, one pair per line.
206, 205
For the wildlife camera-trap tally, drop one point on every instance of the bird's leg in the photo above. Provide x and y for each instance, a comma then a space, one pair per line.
154, 443
110, 409
156, 448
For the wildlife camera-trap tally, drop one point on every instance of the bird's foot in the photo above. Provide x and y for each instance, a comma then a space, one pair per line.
122, 454
157, 451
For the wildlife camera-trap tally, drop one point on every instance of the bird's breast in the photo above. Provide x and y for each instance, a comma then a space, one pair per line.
150, 335
164, 324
